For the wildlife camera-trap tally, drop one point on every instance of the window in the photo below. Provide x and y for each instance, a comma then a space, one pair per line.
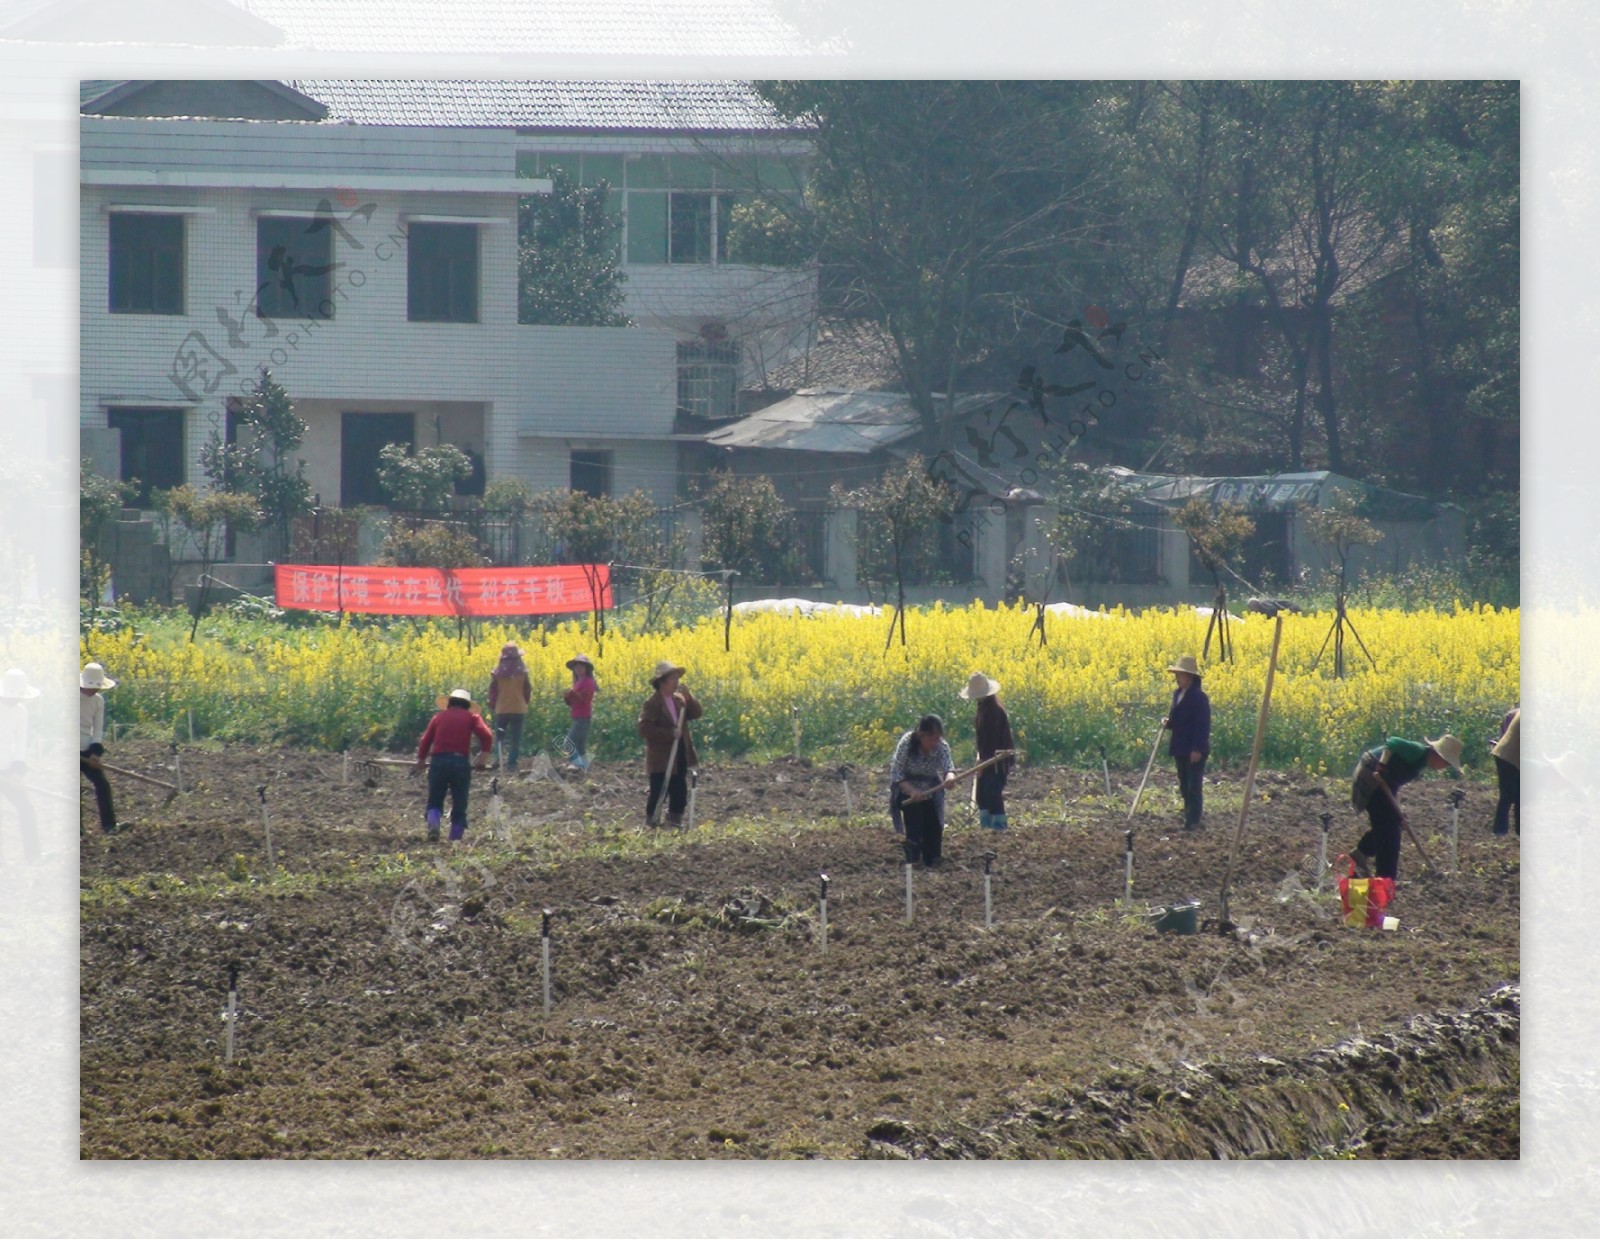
152, 448
699, 228
294, 265
362, 436
442, 273
591, 472
708, 378
146, 263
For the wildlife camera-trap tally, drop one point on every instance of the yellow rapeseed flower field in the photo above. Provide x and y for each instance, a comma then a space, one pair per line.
1096, 682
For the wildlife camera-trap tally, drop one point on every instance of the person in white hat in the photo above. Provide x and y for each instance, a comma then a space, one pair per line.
510, 691
92, 681
580, 702
449, 740
993, 728
15, 693
664, 718
1507, 754
1189, 719
1393, 764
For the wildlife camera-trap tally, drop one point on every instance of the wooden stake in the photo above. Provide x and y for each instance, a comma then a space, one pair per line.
1250, 774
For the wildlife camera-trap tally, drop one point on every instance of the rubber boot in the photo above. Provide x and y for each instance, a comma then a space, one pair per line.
457, 830
433, 825
986, 819
998, 822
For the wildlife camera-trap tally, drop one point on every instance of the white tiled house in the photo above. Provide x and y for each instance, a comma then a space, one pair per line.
373, 224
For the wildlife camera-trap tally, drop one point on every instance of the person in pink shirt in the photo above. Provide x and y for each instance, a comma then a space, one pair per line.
449, 740
580, 697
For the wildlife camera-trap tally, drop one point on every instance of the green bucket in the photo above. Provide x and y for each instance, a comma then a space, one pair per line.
1178, 918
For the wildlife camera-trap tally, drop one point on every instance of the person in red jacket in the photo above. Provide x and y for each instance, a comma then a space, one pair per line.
449, 740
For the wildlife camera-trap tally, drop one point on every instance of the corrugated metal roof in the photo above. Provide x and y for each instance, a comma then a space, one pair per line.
565, 106
821, 421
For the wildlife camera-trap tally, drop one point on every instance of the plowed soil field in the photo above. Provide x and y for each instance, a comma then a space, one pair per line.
391, 991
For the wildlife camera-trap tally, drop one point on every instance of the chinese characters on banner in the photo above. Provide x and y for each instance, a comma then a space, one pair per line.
445, 592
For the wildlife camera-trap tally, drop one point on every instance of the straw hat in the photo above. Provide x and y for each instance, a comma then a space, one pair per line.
94, 676
664, 669
1186, 663
1448, 748
979, 686
577, 659
14, 686
511, 648
460, 695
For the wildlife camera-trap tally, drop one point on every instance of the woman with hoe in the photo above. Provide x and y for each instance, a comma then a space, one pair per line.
449, 739
1378, 778
668, 747
993, 727
510, 691
91, 737
1189, 719
919, 775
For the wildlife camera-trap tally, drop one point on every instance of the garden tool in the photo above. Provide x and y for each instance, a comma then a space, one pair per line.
1139, 791
672, 762
1274, 608
172, 789
999, 756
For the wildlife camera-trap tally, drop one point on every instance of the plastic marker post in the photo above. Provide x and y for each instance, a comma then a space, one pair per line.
232, 1014
191, 725
1127, 874
823, 905
266, 823
497, 810
1456, 797
849, 801
688, 811
177, 768
1105, 770
988, 903
1322, 850
910, 907
794, 720
544, 944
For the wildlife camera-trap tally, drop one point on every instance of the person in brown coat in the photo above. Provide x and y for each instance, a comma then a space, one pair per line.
664, 718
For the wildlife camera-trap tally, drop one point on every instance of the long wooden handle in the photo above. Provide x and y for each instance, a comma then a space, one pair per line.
117, 770
1404, 825
672, 761
999, 756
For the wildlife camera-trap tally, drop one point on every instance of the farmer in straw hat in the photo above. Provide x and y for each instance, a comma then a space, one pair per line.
510, 691
91, 739
664, 718
580, 701
1189, 719
15, 692
993, 727
449, 739
1387, 767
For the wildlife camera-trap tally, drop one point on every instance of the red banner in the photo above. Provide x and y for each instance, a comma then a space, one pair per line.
445, 592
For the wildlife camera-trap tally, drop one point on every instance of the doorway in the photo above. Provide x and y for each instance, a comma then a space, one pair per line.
361, 437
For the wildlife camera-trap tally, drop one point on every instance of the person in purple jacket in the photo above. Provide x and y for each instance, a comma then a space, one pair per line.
1189, 720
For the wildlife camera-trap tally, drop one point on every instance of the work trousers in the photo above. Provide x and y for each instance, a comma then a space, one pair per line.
992, 789
1382, 840
578, 739
452, 773
102, 792
508, 732
677, 789
1191, 784
924, 830
1510, 803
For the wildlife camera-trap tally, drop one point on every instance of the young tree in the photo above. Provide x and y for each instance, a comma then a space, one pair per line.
100, 500
1341, 528
1217, 532
904, 503
264, 462
567, 257
748, 528
207, 515
421, 480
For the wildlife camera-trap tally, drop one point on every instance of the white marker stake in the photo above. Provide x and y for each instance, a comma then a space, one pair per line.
544, 937
1127, 874
1105, 770
191, 725
988, 902
177, 767
794, 719
849, 801
1455, 815
910, 907
1322, 851
497, 811
823, 904
266, 824
232, 1014
688, 811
